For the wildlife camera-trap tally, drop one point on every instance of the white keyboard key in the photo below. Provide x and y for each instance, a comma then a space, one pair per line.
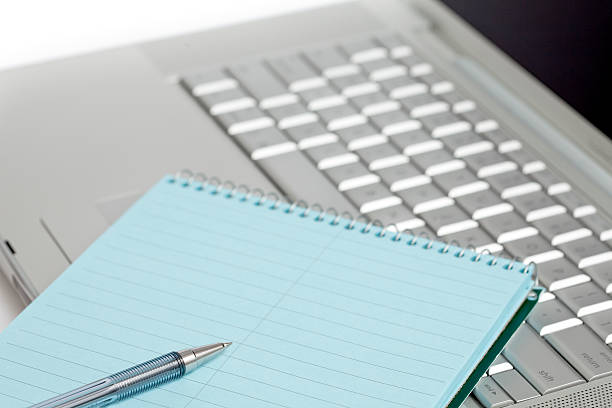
381, 156
416, 65
361, 136
512, 184
600, 225
205, 83
587, 252
397, 47
383, 69
489, 163
551, 182
477, 238
445, 124
516, 386
361, 51
331, 155
497, 168
403, 87
508, 226
601, 324
491, 395
264, 143
481, 122
354, 85
361, 89
263, 85
538, 362
372, 197
437, 84
331, 62
560, 274
584, 350
245, 120
474, 148
423, 105
292, 115
450, 129
533, 249
403, 177
340, 117
459, 102
393, 123
552, 316
483, 204
585, 299
546, 296
425, 198
448, 220
311, 135
296, 73
499, 365
399, 215
536, 206
601, 274
460, 183
437, 162
575, 203
375, 103
322, 98
445, 167
351, 176
561, 229
227, 101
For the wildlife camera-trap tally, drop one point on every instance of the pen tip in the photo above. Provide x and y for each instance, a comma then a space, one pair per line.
227, 344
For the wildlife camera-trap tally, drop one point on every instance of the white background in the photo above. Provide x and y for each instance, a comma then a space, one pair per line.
33, 31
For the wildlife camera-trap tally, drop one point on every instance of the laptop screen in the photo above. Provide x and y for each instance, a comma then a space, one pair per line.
566, 44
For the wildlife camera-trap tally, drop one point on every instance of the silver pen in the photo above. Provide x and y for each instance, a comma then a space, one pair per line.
135, 380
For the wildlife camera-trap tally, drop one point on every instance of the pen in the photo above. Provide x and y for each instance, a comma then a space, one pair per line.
135, 380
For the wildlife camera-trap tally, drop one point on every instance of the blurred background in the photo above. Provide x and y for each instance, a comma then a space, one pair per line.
566, 44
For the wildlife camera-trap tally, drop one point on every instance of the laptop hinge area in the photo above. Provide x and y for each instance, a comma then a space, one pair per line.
9, 265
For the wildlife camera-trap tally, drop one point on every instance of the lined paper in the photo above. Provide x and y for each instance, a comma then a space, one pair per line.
319, 315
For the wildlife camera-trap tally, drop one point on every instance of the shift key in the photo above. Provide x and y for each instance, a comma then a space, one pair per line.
584, 350
538, 362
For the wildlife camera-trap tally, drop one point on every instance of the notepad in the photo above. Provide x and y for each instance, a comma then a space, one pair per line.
322, 311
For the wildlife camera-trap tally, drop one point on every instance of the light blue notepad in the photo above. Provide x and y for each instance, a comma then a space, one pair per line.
320, 315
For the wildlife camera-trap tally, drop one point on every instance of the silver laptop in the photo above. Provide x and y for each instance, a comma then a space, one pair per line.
396, 112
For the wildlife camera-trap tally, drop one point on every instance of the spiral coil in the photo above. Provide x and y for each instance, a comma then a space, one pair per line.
199, 181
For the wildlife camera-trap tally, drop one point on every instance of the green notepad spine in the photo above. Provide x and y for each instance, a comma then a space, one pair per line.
497, 347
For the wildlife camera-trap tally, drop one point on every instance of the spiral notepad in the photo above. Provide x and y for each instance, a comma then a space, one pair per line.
322, 310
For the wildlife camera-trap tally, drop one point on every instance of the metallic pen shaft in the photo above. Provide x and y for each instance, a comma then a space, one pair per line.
134, 380
148, 375
122, 385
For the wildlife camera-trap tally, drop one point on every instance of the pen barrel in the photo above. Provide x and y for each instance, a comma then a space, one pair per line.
121, 385
147, 375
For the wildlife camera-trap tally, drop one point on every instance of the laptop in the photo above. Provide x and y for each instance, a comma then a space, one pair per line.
392, 112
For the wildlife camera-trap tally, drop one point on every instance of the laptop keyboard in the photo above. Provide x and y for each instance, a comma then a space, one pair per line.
370, 123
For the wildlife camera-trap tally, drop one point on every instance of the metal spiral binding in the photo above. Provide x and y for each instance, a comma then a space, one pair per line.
187, 178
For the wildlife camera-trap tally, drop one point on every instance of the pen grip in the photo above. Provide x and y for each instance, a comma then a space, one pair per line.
122, 385
147, 375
